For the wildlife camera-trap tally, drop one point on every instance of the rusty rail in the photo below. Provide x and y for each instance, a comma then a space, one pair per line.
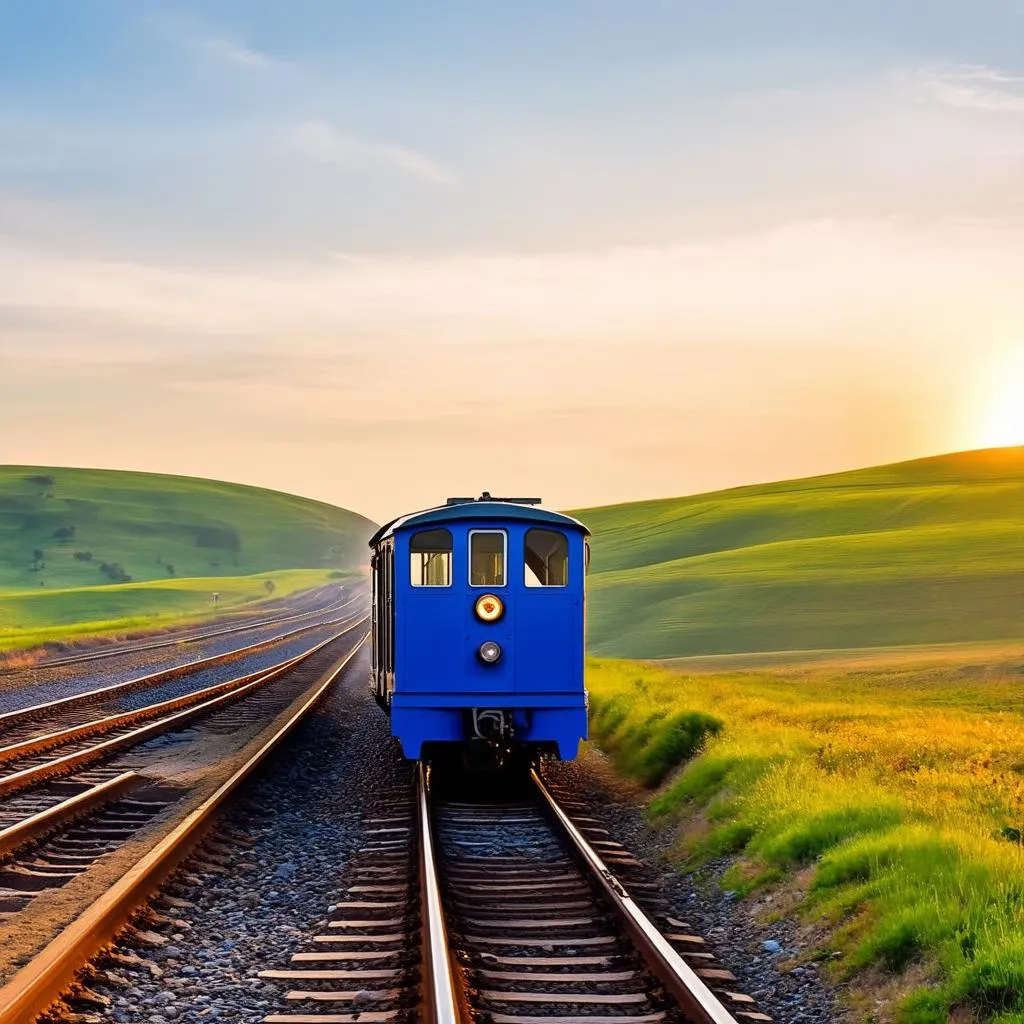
41, 982
19, 715
698, 1002
35, 827
228, 692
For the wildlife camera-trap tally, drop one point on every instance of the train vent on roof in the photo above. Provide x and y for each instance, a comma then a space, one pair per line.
486, 496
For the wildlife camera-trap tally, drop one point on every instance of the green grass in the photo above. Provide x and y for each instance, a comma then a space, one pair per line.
146, 522
921, 552
34, 617
168, 542
886, 792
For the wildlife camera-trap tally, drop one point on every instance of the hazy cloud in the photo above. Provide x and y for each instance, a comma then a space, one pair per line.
321, 141
214, 44
974, 86
789, 282
228, 51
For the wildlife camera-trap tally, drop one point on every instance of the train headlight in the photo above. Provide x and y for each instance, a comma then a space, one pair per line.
489, 652
489, 608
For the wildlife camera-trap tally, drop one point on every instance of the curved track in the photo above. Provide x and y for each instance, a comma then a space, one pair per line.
47, 976
186, 636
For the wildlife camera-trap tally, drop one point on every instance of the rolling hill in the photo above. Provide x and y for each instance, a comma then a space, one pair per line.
929, 551
59, 527
99, 552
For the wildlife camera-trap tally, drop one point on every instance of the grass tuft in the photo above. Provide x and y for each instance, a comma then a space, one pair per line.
649, 742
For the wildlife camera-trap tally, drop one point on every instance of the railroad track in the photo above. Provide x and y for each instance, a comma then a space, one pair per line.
547, 918
178, 639
42, 981
502, 912
458, 907
26, 763
81, 708
48, 789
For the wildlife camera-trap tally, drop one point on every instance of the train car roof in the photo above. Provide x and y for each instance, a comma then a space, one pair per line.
477, 509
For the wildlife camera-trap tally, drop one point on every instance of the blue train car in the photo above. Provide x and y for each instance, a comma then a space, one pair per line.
478, 629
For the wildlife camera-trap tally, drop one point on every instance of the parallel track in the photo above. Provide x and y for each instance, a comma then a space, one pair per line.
62, 712
41, 982
51, 778
456, 910
186, 637
33, 761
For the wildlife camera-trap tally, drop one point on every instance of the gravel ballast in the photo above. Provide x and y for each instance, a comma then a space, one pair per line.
279, 853
274, 869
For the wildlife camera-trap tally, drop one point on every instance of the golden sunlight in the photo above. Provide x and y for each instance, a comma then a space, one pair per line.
1003, 410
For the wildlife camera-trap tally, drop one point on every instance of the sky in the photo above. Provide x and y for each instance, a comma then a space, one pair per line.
380, 252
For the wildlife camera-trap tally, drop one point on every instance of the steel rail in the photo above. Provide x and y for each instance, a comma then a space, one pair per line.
37, 744
17, 716
441, 1004
230, 691
17, 835
698, 1002
181, 638
42, 981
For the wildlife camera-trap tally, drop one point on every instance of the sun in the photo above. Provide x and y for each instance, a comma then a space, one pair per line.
1003, 411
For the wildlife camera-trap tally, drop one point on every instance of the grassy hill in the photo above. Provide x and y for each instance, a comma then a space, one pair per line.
98, 552
929, 551
148, 526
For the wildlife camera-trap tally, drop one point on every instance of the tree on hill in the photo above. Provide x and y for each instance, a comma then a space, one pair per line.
64, 533
41, 480
37, 559
268, 586
170, 569
115, 571
83, 556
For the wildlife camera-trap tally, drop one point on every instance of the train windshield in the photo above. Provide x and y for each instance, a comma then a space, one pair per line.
430, 558
487, 558
546, 559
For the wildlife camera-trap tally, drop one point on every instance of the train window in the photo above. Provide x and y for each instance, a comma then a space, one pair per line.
546, 559
487, 558
430, 558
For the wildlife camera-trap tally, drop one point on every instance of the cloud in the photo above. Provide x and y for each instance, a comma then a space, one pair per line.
213, 44
321, 141
973, 86
233, 53
813, 280
648, 368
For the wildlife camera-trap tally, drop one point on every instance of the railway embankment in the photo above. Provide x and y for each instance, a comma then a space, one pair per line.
861, 812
